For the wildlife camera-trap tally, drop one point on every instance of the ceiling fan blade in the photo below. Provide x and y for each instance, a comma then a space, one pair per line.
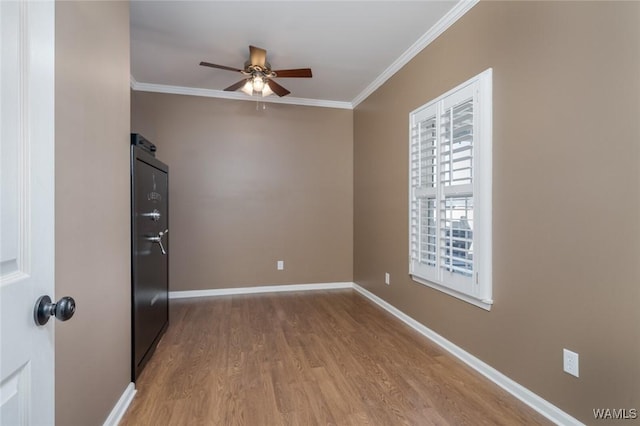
222, 67
277, 89
236, 86
300, 72
258, 56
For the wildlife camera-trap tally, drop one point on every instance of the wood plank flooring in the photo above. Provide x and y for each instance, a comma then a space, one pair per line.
312, 358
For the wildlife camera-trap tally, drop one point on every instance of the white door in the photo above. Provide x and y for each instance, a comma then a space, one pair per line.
26, 210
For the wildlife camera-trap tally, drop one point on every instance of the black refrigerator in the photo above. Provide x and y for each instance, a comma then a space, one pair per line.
149, 252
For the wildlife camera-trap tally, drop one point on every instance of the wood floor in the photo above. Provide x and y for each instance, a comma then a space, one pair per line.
329, 357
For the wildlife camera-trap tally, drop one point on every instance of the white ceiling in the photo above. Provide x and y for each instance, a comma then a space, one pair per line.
351, 46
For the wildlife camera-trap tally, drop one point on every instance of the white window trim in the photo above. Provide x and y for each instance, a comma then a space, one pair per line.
482, 195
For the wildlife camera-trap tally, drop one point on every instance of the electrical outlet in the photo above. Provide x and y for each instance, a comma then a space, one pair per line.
571, 362
387, 278
280, 265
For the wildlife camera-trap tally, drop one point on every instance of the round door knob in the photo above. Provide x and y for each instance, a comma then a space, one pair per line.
62, 310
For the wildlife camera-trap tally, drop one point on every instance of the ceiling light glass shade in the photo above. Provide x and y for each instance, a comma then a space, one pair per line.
248, 88
267, 90
258, 84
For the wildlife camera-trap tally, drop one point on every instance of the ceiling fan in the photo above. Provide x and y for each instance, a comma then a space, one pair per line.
259, 75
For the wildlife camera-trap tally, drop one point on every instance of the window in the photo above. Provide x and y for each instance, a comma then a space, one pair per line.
450, 192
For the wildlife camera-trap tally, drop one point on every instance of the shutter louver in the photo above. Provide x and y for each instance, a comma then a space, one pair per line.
456, 149
428, 231
415, 184
423, 185
428, 156
456, 239
456, 174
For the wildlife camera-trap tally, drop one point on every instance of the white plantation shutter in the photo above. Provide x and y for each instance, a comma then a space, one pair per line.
423, 186
450, 193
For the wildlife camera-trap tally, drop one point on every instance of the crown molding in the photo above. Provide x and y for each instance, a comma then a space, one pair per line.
238, 96
462, 7
132, 81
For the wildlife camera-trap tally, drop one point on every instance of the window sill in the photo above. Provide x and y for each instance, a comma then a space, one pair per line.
484, 304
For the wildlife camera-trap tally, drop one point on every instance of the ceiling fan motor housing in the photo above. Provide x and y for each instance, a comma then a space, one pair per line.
257, 70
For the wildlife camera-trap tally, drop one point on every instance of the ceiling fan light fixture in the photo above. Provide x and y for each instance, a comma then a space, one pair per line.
257, 85
258, 75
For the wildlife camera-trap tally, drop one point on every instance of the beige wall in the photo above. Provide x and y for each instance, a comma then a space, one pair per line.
93, 350
249, 187
566, 195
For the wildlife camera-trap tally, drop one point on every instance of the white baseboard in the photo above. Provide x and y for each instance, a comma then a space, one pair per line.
539, 404
260, 289
121, 406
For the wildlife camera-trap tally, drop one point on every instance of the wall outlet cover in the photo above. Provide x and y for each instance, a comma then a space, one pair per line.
571, 362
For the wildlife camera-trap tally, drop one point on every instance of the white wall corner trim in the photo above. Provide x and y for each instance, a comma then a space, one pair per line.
259, 289
539, 404
133, 82
462, 7
238, 96
121, 406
